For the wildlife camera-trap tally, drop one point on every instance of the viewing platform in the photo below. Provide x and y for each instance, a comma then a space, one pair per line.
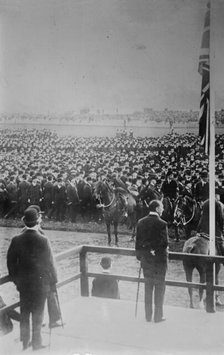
99, 326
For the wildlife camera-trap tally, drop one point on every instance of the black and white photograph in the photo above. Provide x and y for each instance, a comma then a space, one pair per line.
112, 177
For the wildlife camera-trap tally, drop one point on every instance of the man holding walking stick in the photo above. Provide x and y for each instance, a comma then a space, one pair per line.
31, 267
151, 250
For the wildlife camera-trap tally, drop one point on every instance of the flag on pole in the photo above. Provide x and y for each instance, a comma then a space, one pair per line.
204, 70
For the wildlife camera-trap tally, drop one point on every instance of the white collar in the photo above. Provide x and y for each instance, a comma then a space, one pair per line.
106, 271
153, 213
35, 228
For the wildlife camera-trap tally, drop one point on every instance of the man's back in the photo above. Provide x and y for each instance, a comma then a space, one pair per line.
151, 232
30, 260
103, 286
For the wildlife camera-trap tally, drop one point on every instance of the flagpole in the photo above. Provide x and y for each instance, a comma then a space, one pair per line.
212, 136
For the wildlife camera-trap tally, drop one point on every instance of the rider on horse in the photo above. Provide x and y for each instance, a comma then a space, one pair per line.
120, 190
202, 188
170, 188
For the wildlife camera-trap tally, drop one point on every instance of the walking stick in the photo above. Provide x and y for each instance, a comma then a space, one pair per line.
59, 308
50, 338
136, 303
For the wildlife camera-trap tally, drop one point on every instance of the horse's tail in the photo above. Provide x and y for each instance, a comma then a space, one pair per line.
190, 246
189, 249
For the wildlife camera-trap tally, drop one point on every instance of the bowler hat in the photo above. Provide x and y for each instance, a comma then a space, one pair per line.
204, 174
30, 216
37, 208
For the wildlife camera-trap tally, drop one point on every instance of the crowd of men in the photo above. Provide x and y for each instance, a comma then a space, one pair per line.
58, 173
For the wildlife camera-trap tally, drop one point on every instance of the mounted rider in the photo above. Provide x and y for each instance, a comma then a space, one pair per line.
150, 192
170, 187
120, 190
201, 191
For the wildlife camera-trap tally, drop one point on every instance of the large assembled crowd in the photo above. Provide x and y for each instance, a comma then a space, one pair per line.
38, 167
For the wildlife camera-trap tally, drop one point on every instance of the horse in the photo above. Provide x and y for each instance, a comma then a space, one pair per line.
187, 214
168, 215
113, 202
198, 244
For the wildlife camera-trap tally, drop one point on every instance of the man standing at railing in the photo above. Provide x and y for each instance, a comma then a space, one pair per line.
31, 267
151, 250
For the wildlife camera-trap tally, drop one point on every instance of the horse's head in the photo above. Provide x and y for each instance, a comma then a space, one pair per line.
186, 210
180, 210
184, 204
101, 189
167, 214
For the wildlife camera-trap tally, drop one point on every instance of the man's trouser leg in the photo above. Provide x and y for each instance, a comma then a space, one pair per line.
37, 319
148, 299
24, 318
159, 299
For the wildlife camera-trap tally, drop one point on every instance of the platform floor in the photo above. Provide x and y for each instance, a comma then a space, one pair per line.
108, 327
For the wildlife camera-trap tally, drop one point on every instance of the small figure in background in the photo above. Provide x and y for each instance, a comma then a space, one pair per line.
103, 285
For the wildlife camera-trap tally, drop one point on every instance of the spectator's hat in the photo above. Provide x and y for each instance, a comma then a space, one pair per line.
204, 174
169, 172
105, 262
31, 216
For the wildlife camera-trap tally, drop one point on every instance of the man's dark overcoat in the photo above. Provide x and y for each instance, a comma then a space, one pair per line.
31, 267
151, 250
152, 235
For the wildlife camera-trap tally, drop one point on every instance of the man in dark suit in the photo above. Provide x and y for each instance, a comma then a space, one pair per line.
34, 192
12, 191
31, 267
151, 250
60, 200
23, 188
202, 188
169, 187
72, 199
48, 196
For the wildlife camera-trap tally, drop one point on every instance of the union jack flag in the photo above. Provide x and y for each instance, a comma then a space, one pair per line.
204, 70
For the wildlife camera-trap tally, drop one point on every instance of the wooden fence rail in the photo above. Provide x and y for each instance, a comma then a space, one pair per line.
84, 274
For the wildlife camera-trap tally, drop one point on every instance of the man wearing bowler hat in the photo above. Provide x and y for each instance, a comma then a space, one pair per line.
202, 188
31, 267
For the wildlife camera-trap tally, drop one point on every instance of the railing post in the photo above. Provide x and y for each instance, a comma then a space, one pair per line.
84, 284
210, 293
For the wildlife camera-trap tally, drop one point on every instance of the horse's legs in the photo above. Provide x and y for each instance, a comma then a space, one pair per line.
176, 233
188, 272
116, 233
202, 273
108, 234
218, 301
133, 227
133, 233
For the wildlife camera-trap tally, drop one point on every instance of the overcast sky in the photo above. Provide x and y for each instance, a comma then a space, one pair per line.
65, 55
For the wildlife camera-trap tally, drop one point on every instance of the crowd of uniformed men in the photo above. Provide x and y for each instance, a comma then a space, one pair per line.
58, 173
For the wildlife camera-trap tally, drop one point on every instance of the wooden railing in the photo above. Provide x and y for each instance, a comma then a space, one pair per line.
84, 274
